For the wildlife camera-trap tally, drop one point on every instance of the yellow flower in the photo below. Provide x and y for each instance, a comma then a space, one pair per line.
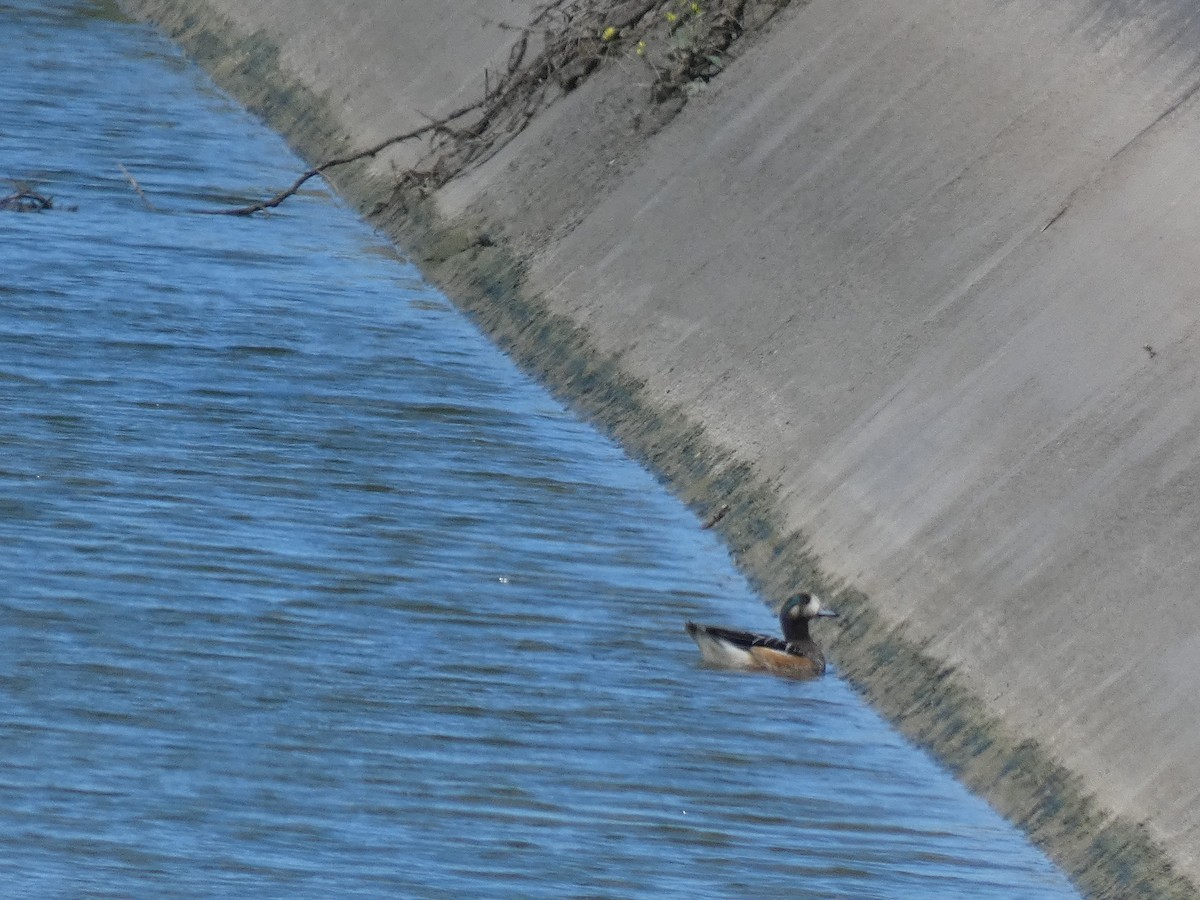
696, 10
641, 48
671, 17
608, 34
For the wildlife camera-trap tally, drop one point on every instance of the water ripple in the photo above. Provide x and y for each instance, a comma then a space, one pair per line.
308, 593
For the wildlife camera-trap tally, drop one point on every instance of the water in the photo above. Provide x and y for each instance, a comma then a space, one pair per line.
305, 591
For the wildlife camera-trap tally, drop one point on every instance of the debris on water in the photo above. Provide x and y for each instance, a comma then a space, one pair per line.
25, 199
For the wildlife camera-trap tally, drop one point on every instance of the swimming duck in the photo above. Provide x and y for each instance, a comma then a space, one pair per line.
797, 655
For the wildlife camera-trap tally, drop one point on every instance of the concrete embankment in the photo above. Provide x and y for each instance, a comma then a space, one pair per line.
912, 287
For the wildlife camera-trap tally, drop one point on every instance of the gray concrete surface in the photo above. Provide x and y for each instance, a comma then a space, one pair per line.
839, 262
932, 268
387, 67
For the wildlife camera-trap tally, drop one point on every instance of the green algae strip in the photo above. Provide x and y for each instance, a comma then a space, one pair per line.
1106, 856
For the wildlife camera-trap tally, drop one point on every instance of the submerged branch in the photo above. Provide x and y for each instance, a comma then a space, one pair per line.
133, 183
25, 199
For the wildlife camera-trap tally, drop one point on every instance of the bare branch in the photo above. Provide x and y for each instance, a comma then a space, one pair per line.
357, 155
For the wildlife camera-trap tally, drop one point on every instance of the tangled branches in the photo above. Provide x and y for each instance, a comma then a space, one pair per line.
680, 43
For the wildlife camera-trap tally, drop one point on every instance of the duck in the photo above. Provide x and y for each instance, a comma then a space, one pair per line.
797, 655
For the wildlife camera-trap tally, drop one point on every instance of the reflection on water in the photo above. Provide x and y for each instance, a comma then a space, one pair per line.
307, 592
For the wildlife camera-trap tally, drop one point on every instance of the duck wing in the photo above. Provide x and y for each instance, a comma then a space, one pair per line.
743, 640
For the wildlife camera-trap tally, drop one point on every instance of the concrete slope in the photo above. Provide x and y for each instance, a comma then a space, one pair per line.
908, 258
386, 68
931, 268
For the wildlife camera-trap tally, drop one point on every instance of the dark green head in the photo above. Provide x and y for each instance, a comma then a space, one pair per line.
799, 610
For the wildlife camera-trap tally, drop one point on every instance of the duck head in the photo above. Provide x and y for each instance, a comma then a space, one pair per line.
798, 611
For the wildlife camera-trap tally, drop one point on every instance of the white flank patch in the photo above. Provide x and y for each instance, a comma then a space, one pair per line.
719, 653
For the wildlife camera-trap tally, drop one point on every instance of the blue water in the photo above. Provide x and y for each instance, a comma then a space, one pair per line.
306, 592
